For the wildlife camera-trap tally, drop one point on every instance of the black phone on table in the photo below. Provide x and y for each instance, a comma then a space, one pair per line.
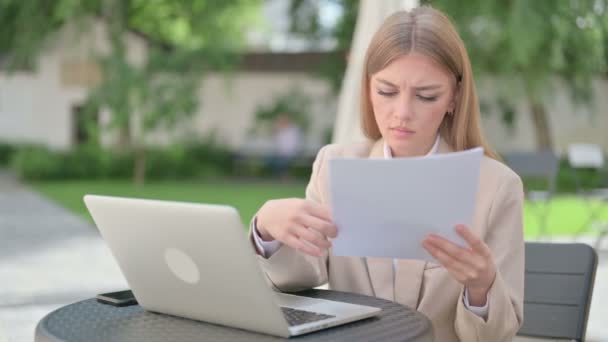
118, 298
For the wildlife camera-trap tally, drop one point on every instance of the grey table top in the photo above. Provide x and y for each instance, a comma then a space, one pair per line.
89, 320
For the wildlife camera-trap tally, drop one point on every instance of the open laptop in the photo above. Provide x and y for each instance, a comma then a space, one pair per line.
195, 261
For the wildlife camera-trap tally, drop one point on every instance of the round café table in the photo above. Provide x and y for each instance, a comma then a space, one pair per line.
89, 320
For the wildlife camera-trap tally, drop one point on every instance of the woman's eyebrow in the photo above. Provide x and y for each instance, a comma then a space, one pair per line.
387, 83
423, 87
428, 87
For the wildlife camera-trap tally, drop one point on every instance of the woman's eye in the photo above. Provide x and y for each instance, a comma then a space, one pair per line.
427, 98
387, 93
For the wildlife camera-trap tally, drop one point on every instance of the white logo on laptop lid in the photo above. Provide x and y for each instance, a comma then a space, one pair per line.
182, 265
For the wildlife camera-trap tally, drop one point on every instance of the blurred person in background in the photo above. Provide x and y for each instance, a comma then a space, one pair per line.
286, 141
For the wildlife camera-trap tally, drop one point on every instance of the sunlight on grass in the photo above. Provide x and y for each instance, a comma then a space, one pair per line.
567, 215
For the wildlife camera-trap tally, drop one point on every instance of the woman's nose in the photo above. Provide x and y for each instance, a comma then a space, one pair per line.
403, 108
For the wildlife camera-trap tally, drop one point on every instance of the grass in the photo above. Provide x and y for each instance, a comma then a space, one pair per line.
567, 214
245, 197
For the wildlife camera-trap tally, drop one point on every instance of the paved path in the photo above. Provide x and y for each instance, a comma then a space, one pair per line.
50, 258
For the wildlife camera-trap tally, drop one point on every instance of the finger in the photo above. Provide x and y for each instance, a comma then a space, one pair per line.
474, 242
293, 242
313, 237
465, 256
327, 228
319, 211
454, 266
447, 246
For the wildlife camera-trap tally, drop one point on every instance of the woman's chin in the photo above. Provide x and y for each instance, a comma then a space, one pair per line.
400, 148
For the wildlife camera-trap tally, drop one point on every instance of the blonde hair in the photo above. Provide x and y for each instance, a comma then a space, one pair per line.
429, 32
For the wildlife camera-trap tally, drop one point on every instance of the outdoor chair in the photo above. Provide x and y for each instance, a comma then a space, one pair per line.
542, 166
559, 283
590, 157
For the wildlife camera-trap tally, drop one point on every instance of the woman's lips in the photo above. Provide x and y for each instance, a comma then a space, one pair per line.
401, 132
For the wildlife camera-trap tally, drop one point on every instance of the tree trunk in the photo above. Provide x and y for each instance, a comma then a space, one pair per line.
124, 138
541, 125
139, 165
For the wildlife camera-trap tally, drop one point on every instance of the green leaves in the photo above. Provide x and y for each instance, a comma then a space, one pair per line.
534, 39
183, 38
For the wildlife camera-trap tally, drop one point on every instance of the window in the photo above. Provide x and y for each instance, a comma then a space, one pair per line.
84, 124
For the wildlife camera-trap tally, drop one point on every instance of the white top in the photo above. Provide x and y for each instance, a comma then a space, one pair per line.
287, 141
268, 248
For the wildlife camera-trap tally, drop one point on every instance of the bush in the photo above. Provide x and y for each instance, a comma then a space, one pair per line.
211, 158
258, 166
86, 162
37, 163
120, 165
195, 160
302, 168
566, 181
6, 153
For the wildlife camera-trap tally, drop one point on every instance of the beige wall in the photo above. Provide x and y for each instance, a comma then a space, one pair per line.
228, 106
36, 107
569, 122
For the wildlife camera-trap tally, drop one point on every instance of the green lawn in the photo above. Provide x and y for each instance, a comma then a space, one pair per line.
245, 197
566, 214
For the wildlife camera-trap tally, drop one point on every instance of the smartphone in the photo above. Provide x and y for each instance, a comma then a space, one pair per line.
119, 298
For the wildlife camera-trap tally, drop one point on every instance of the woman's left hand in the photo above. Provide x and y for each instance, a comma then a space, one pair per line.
473, 266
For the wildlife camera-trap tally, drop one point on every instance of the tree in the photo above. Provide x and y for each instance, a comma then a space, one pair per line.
305, 23
516, 41
184, 39
533, 42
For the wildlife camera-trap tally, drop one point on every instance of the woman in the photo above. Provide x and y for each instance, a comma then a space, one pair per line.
418, 97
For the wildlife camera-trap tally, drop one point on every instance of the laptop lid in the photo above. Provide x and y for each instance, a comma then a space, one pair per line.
189, 260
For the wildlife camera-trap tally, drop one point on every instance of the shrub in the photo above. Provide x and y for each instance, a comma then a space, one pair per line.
37, 163
6, 153
194, 160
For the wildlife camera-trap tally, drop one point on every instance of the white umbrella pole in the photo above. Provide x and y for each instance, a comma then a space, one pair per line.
371, 15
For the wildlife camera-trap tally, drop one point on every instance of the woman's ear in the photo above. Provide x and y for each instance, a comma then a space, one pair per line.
454, 101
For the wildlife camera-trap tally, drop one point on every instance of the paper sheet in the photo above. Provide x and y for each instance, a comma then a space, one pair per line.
386, 207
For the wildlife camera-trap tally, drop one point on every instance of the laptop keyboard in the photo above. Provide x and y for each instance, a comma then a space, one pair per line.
297, 317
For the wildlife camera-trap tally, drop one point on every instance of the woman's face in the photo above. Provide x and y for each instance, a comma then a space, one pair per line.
410, 97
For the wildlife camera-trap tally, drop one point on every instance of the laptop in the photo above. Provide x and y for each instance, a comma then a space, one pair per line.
196, 261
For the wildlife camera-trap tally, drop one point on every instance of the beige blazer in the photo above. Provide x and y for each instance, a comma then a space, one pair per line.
426, 286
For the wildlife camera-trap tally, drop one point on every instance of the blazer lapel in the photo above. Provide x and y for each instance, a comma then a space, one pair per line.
377, 151
408, 281
381, 277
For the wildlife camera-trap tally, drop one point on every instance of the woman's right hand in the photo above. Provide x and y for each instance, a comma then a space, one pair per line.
300, 224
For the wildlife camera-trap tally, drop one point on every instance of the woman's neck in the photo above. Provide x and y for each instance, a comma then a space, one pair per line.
425, 150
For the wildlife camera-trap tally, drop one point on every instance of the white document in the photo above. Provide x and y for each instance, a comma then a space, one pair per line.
386, 207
